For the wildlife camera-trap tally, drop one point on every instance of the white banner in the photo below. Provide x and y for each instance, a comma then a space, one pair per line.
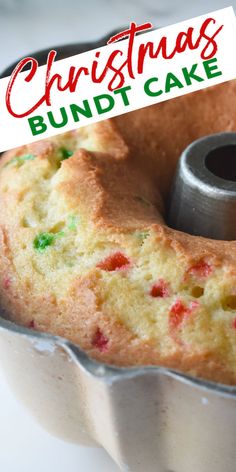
159, 65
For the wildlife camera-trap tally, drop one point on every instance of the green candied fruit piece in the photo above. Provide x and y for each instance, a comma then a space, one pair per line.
60, 234
72, 222
21, 159
43, 240
142, 235
142, 200
65, 154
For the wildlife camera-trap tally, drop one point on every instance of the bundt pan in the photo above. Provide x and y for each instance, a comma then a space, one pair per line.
147, 419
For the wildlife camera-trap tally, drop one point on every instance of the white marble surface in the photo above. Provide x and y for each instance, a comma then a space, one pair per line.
25, 26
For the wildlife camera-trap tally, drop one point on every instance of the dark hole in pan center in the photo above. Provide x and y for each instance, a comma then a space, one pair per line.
222, 162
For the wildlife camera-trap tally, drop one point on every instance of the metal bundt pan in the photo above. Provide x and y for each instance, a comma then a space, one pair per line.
148, 419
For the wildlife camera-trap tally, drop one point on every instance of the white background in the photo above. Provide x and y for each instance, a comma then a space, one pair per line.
25, 26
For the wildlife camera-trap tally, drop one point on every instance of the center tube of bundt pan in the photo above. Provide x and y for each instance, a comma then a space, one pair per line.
202, 201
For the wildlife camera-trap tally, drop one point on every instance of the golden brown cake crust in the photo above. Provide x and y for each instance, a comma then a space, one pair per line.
167, 128
100, 282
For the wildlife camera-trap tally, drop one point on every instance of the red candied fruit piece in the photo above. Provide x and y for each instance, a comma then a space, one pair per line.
6, 283
100, 341
31, 324
234, 323
200, 269
179, 312
116, 261
160, 289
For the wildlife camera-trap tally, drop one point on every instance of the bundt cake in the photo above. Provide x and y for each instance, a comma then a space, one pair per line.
86, 254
